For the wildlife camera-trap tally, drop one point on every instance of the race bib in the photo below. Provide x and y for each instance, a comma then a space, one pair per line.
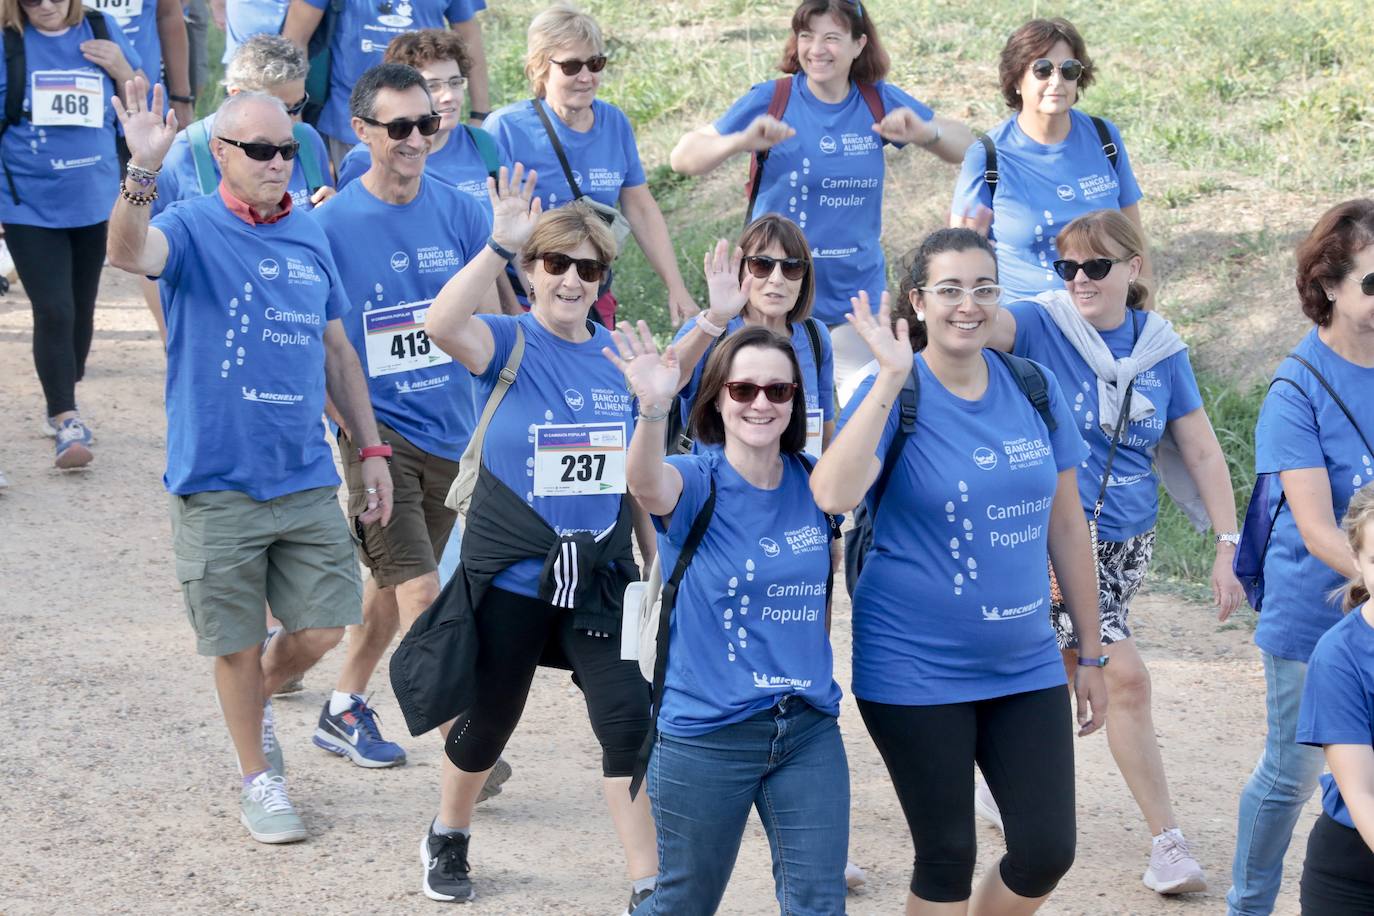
579, 459
815, 426
67, 98
120, 9
397, 342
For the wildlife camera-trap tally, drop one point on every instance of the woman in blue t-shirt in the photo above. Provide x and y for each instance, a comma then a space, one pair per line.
1337, 715
768, 282
749, 704
60, 181
564, 60
1136, 404
1052, 161
824, 164
1321, 455
955, 662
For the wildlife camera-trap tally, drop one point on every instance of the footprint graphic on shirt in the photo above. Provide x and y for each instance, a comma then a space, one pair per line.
732, 619
957, 544
1368, 472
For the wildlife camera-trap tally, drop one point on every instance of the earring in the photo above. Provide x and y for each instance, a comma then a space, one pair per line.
920, 316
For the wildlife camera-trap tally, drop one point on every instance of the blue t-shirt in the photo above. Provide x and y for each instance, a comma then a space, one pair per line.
749, 625
1132, 501
66, 176
1338, 698
1040, 189
245, 18
828, 179
140, 30
1307, 430
604, 159
457, 164
412, 250
179, 179
364, 29
953, 603
559, 382
817, 383
246, 309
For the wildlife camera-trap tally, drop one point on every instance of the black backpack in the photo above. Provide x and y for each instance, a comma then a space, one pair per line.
1104, 136
858, 541
17, 78
318, 53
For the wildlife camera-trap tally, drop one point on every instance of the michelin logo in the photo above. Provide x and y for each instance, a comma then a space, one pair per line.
270, 397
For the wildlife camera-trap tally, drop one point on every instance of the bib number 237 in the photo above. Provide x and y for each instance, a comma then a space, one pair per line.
579, 459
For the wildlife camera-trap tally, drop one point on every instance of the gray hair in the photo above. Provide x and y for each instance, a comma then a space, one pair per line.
362, 103
265, 61
228, 116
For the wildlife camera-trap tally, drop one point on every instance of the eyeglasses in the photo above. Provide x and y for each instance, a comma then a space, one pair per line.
401, 127
1043, 69
776, 393
573, 67
588, 270
454, 83
264, 152
298, 107
950, 294
1095, 269
761, 266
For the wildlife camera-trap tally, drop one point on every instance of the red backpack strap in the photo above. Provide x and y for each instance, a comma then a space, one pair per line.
874, 100
782, 91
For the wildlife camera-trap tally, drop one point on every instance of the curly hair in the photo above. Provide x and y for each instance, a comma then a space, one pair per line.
1327, 255
1033, 41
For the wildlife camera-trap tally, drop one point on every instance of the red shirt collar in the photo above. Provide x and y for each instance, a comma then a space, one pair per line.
246, 213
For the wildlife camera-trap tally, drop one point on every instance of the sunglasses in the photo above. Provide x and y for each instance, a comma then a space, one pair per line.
1367, 284
1043, 69
949, 294
588, 270
298, 107
400, 128
1095, 269
35, 4
264, 152
761, 266
573, 67
746, 392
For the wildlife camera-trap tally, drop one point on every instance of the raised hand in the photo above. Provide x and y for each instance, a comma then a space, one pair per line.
514, 208
764, 132
147, 131
728, 295
902, 125
653, 378
890, 346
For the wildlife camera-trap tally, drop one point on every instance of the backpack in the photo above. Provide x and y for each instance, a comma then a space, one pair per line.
858, 541
782, 91
1258, 527
16, 79
208, 176
486, 148
1104, 137
679, 437
319, 55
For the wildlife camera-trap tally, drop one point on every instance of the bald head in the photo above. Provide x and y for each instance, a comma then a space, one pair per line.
252, 115
254, 120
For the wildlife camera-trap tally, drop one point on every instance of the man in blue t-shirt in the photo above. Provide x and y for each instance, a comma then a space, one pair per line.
255, 340
419, 233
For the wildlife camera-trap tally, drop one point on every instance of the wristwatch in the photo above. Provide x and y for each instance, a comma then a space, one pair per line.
375, 451
1229, 537
1099, 662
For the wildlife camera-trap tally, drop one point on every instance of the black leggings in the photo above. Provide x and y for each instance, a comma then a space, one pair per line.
60, 270
1338, 874
512, 631
1023, 743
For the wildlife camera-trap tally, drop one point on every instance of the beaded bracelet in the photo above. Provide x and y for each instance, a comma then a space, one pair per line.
137, 199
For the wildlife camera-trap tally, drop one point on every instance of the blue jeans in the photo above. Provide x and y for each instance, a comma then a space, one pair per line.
789, 762
1272, 800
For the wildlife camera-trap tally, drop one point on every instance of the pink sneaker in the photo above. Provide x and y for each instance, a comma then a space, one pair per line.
1173, 870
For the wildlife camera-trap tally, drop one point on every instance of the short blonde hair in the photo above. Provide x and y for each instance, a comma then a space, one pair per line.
12, 18
557, 27
564, 229
1107, 233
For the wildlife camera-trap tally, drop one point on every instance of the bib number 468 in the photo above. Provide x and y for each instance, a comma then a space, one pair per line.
70, 103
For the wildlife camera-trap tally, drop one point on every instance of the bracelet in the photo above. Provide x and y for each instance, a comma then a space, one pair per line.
137, 199
1229, 537
933, 140
375, 451
142, 176
478, 115
656, 417
708, 327
503, 252
188, 99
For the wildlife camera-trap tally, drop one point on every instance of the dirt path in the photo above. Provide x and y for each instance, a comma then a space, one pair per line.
120, 787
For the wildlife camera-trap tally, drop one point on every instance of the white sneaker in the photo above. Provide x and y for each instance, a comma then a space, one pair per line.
985, 806
1173, 870
4, 481
854, 877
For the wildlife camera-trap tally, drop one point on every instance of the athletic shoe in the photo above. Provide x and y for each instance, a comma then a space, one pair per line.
294, 685
444, 858
73, 444
271, 747
353, 733
854, 877
7, 262
985, 806
267, 812
4, 481
636, 898
50, 426
1173, 870
500, 772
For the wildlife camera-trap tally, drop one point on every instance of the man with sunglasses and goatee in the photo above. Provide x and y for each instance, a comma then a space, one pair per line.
253, 303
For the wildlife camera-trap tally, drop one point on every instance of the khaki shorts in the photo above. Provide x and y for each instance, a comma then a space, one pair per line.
412, 542
235, 555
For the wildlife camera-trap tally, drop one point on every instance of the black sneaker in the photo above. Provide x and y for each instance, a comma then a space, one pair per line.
445, 860
636, 898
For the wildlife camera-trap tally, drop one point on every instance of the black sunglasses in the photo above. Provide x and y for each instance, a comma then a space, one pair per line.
761, 266
573, 67
746, 392
401, 127
263, 152
1096, 268
1043, 69
1367, 284
297, 108
588, 270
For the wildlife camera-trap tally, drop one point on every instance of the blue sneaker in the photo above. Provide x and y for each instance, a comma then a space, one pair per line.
73, 444
353, 733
